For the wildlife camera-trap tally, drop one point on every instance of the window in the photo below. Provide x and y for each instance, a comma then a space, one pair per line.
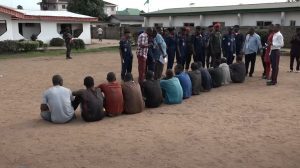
64, 6
158, 25
263, 23
188, 24
3, 27
112, 8
293, 23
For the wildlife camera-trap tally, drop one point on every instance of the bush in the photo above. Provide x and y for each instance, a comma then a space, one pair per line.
41, 43
78, 44
28, 45
33, 37
57, 42
9, 46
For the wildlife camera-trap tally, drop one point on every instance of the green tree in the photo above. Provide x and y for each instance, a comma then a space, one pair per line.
19, 7
93, 8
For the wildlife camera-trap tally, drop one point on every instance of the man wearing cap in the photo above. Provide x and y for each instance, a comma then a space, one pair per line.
199, 46
126, 54
229, 46
189, 48
216, 44
171, 41
207, 46
239, 40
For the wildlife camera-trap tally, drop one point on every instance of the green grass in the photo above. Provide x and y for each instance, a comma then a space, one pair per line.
53, 53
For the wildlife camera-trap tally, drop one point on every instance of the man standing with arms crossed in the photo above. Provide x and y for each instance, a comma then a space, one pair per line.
141, 52
276, 45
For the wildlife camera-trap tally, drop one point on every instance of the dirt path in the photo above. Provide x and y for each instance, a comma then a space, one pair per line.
237, 126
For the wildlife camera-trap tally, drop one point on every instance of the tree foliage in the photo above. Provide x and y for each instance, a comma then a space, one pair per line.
20, 7
93, 8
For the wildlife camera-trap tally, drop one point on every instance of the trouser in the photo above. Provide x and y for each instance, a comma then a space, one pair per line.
264, 64
126, 66
250, 58
294, 56
208, 57
100, 37
68, 52
268, 69
150, 63
46, 115
229, 56
275, 57
188, 60
159, 67
200, 57
141, 68
171, 56
214, 58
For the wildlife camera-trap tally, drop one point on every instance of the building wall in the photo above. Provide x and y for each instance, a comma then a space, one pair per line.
86, 34
292, 16
230, 19
110, 10
8, 35
250, 19
178, 21
164, 20
132, 23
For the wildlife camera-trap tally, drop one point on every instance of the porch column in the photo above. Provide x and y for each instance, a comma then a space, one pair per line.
282, 20
146, 22
170, 21
239, 18
201, 17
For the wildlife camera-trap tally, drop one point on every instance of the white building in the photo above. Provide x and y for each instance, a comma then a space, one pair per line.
110, 8
286, 14
22, 24
127, 20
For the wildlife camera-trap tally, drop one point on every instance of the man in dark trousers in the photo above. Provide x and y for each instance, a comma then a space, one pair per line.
276, 45
216, 44
295, 51
171, 41
68, 41
229, 46
126, 54
207, 46
189, 48
199, 46
239, 40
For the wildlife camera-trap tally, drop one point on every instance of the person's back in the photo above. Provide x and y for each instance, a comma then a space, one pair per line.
56, 105
216, 76
152, 91
196, 79
172, 90
226, 73
113, 96
132, 95
237, 72
206, 79
184, 80
92, 105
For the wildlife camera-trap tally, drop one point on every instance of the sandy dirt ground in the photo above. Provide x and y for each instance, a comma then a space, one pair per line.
245, 125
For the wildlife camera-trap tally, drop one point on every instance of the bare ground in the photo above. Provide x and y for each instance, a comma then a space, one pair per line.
245, 125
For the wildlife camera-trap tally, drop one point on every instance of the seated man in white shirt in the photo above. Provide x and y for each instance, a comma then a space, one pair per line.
226, 71
56, 106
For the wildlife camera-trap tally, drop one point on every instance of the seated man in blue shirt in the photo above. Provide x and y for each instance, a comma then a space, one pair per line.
184, 80
172, 90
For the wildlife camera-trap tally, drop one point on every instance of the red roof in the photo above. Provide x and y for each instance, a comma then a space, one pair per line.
45, 15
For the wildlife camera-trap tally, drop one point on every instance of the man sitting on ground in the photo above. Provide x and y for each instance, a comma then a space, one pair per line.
90, 100
206, 78
152, 91
113, 96
196, 79
171, 88
56, 106
216, 74
132, 94
226, 72
184, 80
238, 70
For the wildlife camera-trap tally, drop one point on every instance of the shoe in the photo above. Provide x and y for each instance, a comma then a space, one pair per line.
271, 83
250, 75
290, 71
68, 57
298, 71
264, 77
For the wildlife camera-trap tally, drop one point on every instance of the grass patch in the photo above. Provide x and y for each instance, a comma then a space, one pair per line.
49, 53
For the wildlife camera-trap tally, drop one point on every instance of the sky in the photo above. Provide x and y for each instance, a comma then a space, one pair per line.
153, 6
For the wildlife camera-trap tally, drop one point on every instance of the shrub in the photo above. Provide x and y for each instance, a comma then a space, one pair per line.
28, 45
33, 37
78, 44
9, 46
57, 42
41, 43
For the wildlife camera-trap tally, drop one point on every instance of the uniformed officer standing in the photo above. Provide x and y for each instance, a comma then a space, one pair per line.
199, 46
229, 46
126, 54
68, 40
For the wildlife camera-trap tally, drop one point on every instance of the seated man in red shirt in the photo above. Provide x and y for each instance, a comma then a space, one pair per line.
113, 96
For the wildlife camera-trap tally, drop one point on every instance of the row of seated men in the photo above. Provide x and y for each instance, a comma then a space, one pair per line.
112, 98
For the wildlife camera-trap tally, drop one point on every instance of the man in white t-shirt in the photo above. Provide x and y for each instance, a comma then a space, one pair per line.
100, 33
56, 105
